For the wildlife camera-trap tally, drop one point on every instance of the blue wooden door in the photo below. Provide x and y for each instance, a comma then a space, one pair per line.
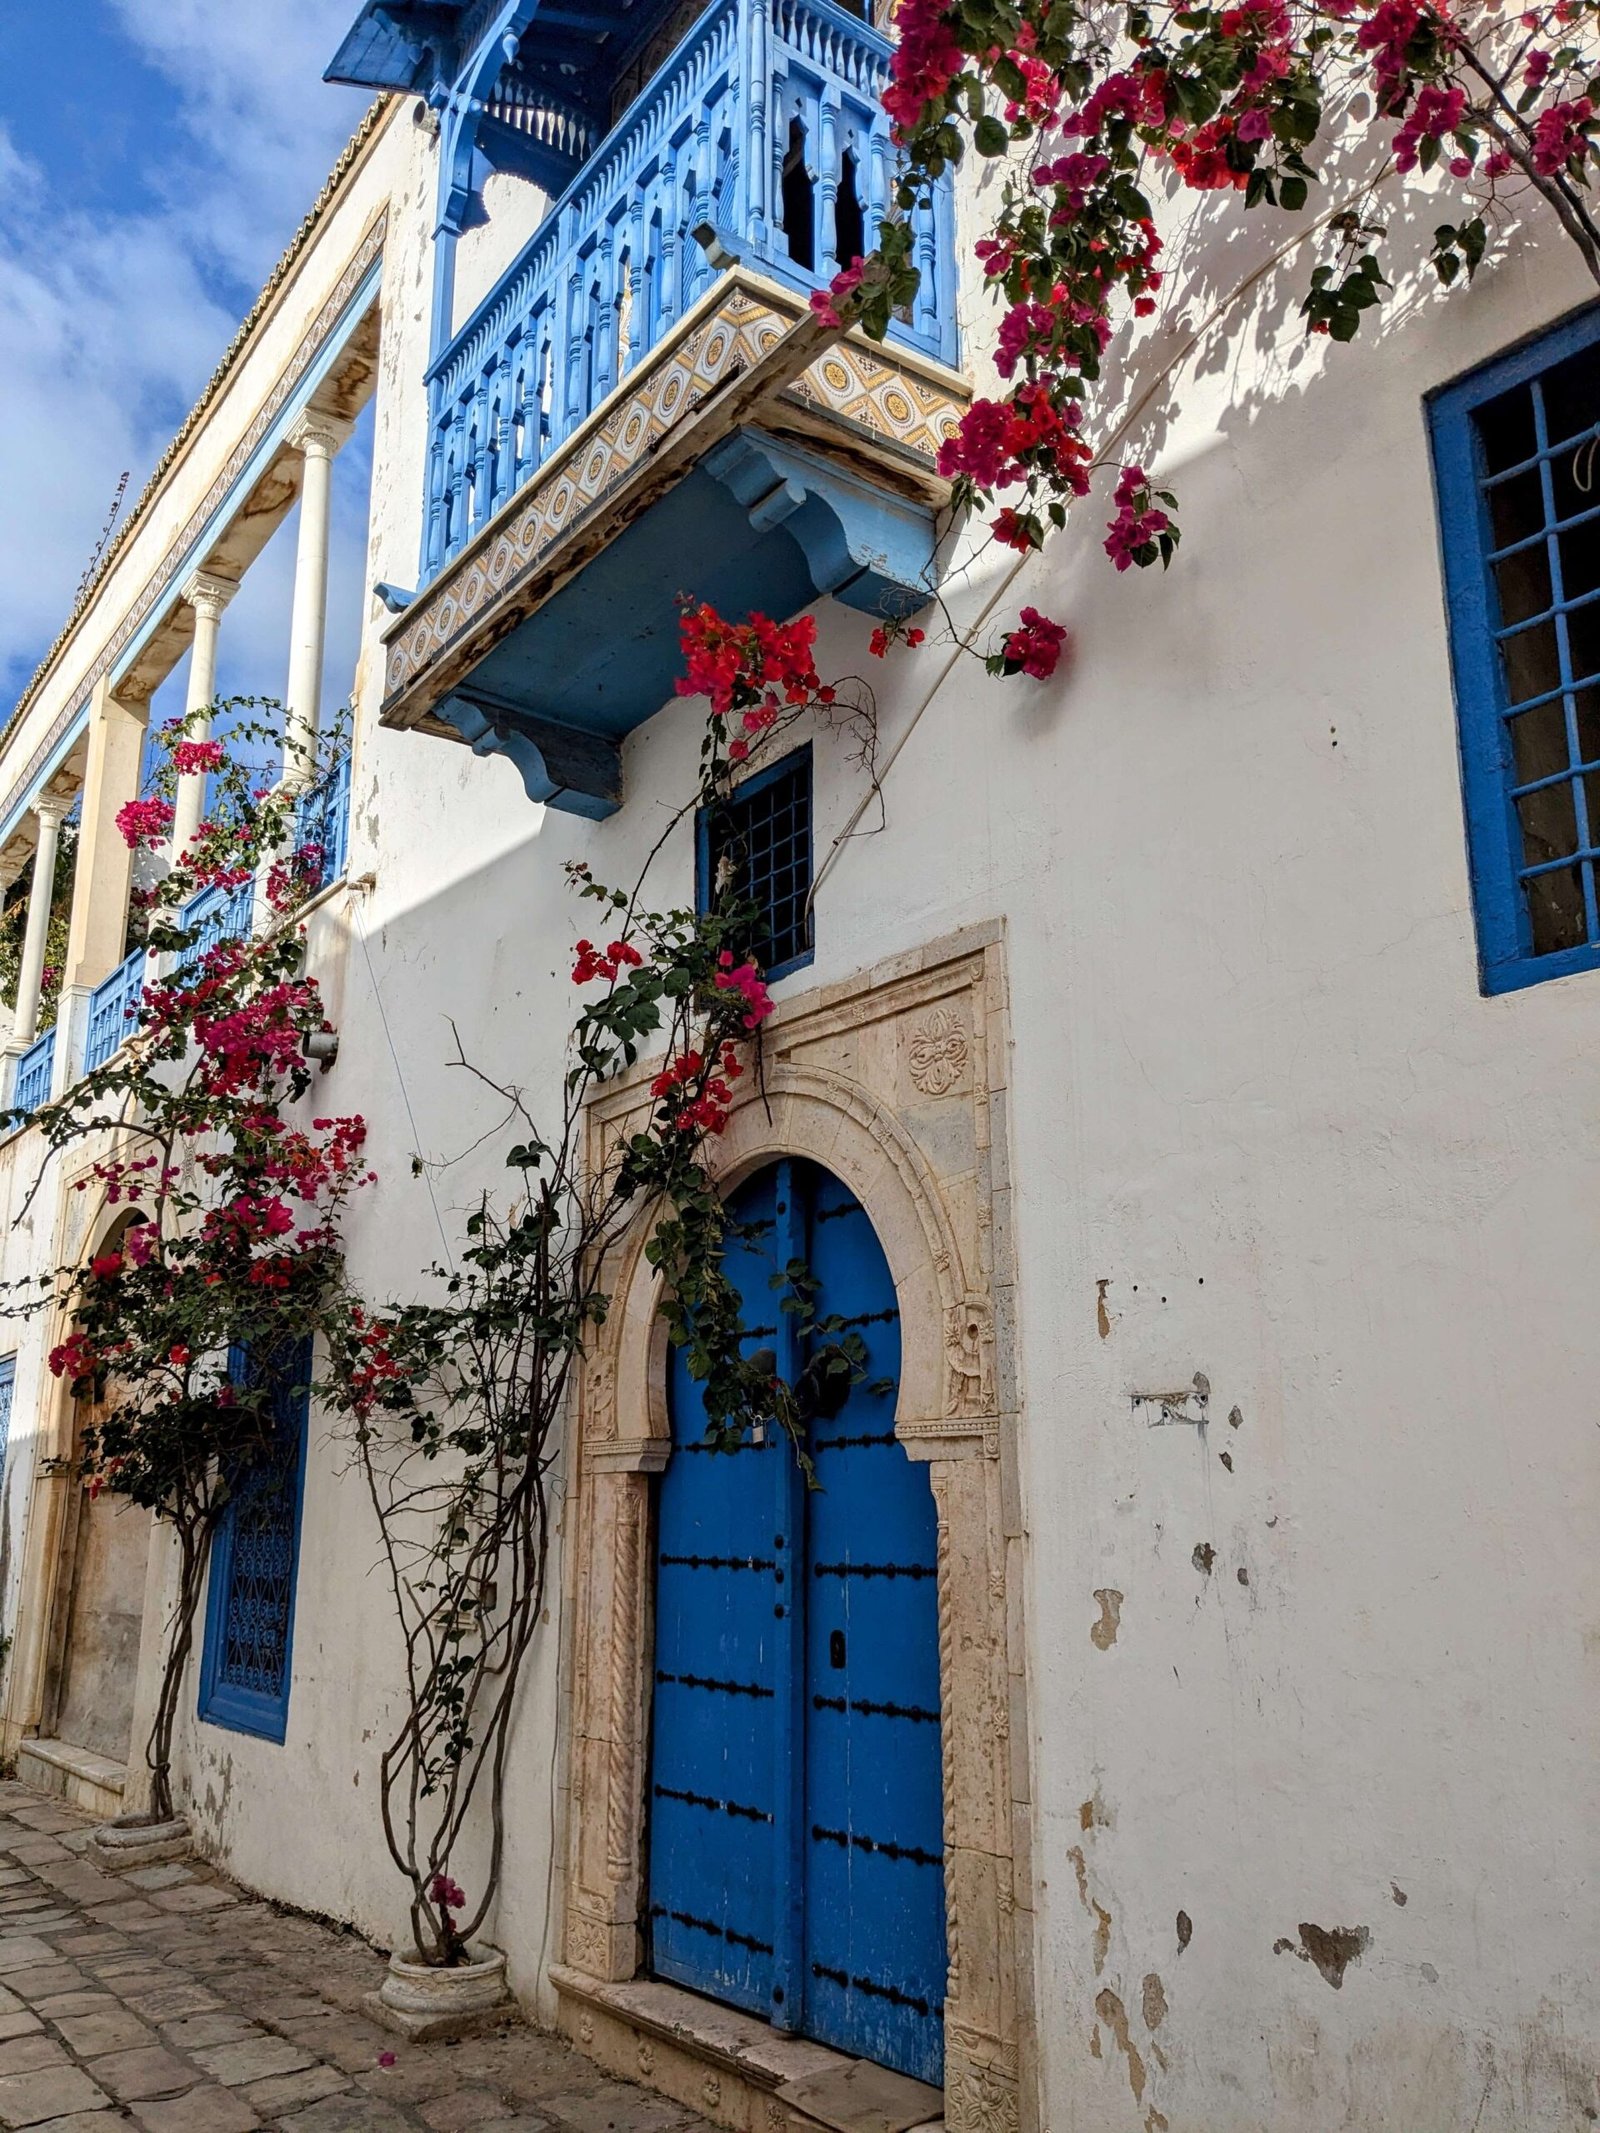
796, 1848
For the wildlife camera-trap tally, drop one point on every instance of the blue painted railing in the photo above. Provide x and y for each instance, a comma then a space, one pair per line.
33, 1073
323, 820
220, 915
112, 1007
766, 124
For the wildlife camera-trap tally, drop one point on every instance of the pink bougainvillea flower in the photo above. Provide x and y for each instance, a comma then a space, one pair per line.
145, 822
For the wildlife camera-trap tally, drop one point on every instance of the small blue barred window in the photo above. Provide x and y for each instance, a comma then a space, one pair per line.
8, 1386
245, 1666
1516, 450
762, 834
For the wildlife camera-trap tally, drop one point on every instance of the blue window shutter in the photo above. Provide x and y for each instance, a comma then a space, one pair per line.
766, 827
1515, 445
249, 1636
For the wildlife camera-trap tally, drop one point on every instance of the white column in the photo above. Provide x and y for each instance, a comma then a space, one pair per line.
317, 438
208, 596
11, 866
50, 811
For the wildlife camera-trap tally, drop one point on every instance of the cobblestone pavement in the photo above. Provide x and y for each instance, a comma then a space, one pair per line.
169, 2000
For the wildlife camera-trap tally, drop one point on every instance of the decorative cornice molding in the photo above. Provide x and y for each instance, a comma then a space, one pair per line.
352, 154
159, 583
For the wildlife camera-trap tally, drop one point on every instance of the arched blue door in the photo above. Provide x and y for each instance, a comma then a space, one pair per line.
796, 1823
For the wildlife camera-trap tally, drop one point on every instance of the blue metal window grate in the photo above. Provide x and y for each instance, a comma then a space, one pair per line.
8, 1386
1517, 460
763, 833
245, 1668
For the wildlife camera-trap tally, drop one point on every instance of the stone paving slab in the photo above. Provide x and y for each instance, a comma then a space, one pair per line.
171, 2001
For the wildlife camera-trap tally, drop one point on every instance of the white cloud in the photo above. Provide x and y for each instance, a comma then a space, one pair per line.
111, 323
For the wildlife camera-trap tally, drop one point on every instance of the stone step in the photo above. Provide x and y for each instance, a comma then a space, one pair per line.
80, 1776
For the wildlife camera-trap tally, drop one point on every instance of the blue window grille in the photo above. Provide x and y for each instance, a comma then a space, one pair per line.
112, 1009
34, 1070
249, 1638
324, 822
763, 834
1516, 449
8, 1386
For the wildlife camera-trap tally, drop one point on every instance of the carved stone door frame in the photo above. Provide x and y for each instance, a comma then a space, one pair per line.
895, 1081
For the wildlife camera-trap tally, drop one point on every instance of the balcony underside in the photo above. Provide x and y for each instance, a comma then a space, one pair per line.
745, 462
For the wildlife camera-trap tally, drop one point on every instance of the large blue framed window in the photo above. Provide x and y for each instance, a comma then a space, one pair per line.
8, 1386
249, 1639
1516, 448
763, 834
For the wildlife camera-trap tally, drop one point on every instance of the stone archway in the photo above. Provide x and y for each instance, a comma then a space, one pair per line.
894, 1082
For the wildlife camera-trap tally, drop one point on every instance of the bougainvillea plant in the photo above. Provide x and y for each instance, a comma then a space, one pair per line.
455, 1402
1099, 111
224, 1207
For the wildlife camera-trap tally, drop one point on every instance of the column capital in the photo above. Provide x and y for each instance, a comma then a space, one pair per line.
53, 807
319, 436
208, 594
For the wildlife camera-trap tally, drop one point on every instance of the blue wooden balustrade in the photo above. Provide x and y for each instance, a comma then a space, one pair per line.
217, 914
323, 822
112, 1008
763, 130
34, 1070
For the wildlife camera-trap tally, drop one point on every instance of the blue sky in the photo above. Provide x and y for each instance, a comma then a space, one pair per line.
155, 158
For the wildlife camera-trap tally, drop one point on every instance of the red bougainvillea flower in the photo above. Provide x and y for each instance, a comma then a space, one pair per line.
447, 1894
739, 665
825, 302
592, 964
1034, 647
1134, 535
74, 1359
745, 979
189, 758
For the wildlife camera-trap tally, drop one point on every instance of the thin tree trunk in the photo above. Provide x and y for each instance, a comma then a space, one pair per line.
194, 1546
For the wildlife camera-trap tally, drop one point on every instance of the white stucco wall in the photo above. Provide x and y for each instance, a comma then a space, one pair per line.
1264, 1129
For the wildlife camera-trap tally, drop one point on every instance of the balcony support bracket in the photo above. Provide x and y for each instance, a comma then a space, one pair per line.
580, 773
864, 545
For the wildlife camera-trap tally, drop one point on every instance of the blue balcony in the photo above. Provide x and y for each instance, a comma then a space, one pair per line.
34, 1069
113, 1006
645, 406
760, 140
323, 824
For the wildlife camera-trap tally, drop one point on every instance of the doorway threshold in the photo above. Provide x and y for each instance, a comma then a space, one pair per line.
734, 2069
81, 1776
